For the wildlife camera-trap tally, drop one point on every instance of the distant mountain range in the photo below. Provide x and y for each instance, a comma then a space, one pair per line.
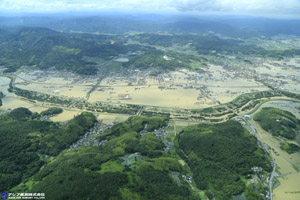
64, 43
118, 24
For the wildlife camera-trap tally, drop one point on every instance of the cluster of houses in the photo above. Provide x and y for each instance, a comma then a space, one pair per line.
160, 133
187, 178
168, 145
131, 159
258, 175
89, 138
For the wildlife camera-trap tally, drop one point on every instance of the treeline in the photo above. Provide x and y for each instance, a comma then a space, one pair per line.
241, 100
130, 109
23, 138
289, 147
52, 111
238, 102
278, 122
33, 95
219, 155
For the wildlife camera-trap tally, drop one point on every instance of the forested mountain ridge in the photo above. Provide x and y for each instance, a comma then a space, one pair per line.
221, 156
126, 166
43, 48
46, 48
26, 142
130, 163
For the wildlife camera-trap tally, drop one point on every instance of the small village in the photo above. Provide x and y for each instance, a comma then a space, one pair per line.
198, 88
90, 137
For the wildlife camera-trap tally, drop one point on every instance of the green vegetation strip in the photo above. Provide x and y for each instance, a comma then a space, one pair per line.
278, 122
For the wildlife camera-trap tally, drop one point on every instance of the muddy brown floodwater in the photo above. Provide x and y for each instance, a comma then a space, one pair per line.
288, 164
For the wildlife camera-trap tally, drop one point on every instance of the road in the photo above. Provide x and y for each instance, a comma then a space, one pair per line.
256, 132
272, 176
140, 111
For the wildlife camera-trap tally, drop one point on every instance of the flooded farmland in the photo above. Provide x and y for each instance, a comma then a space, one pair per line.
4, 82
12, 101
281, 74
109, 118
65, 116
288, 165
60, 84
179, 89
289, 188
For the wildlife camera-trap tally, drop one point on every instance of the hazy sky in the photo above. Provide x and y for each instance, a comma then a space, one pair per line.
256, 7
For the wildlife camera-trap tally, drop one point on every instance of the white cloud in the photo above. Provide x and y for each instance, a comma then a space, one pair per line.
229, 6
241, 6
43, 5
48, 5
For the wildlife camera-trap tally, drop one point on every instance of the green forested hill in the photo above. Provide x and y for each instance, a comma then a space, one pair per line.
43, 48
128, 166
278, 122
52, 111
130, 163
25, 140
220, 155
98, 173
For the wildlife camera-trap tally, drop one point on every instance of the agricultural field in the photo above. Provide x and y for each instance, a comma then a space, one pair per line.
178, 89
55, 83
12, 101
281, 74
66, 115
